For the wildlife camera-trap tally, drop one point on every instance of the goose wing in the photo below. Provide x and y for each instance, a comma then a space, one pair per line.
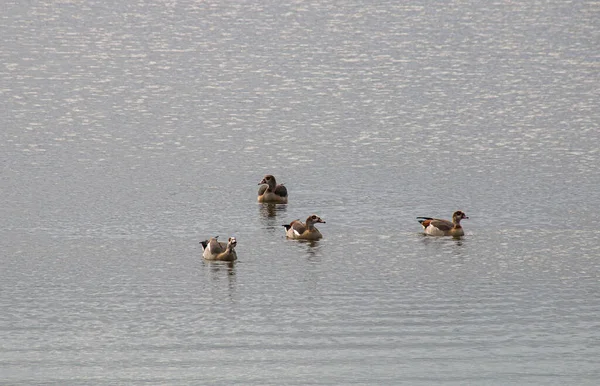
215, 247
443, 225
281, 190
298, 227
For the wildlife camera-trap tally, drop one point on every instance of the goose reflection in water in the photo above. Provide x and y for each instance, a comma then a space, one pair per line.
221, 266
222, 273
458, 243
312, 248
268, 215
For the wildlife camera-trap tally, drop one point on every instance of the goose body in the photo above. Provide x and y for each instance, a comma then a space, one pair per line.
216, 250
304, 231
271, 192
438, 227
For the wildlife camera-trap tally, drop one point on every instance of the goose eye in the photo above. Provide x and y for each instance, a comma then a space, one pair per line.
314, 217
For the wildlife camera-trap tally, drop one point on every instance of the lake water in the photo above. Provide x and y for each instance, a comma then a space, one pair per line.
130, 131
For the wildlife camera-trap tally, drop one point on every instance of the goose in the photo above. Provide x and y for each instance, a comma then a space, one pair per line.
216, 250
270, 192
437, 227
304, 231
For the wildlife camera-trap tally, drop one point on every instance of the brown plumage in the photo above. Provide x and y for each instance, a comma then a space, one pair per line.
216, 250
271, 192
438, 227
304, 231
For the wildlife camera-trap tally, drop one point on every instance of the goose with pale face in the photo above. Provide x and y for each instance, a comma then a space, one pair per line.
304, 231
216, 250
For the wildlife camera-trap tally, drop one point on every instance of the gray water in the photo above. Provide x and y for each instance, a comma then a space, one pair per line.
130, 131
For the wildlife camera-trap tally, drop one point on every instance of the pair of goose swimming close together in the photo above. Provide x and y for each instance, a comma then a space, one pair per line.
273, 193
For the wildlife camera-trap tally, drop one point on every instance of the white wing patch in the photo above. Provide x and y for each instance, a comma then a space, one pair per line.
433, 231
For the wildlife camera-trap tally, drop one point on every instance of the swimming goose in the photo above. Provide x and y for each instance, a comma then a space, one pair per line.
298, 230
216, 250
437, 227
271, 192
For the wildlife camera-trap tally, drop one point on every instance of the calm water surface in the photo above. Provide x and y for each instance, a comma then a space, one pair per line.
132, 131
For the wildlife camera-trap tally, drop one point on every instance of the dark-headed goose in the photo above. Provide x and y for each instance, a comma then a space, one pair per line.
270, 192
